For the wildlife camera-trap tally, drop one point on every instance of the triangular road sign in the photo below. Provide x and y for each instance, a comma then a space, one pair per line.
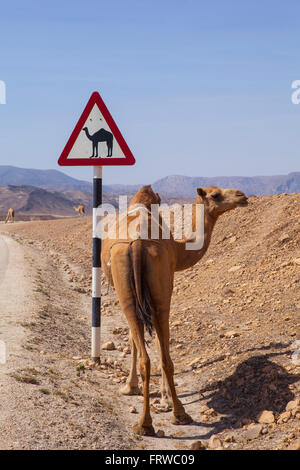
96, 139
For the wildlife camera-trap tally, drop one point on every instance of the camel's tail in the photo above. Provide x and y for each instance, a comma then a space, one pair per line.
139, 285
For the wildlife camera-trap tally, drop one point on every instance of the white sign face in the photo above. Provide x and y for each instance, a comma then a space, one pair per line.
95, 139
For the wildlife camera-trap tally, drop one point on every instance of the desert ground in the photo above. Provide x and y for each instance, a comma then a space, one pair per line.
235, 322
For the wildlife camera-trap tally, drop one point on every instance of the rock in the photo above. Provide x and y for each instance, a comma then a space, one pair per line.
294, 445
203, 408
284, 417
117, 331
109, 346
253, 431
229, 438
234, 269
194, 361
160, 433
296, 357
292, 404
227, 291
156, 401
209, 261
295, 345
231, 334
215, 443
266, 417
296, 261
133, 410
210, 412
198, 445
284, 238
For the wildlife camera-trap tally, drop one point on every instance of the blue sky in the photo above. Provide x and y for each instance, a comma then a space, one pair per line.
199, 88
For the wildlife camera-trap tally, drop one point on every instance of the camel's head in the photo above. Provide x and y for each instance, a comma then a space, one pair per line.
217, 200
145, 196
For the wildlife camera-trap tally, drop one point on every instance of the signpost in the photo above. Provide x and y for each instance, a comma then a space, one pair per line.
96, 141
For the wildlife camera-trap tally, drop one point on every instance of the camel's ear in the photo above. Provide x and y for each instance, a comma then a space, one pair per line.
158, 197
201, 192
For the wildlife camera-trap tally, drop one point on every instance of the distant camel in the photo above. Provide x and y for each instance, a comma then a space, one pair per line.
100, 136
79, 209
10, 215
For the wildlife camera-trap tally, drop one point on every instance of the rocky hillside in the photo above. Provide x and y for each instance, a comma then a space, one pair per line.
29, 200
33, 201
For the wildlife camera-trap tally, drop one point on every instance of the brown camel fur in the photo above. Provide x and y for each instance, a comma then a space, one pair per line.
79, 209
10, 215
142, 272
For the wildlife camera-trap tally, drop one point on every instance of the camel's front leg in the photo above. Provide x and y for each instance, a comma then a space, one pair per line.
131, 387
92, 156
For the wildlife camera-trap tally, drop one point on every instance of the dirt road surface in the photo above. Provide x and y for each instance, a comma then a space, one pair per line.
234, 321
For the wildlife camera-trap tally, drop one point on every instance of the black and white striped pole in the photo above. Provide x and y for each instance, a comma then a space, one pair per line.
96, 274
77, 152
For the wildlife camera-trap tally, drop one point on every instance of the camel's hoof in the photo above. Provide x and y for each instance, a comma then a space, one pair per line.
144, 430
130, 390
166, 403
182, 419
164, 406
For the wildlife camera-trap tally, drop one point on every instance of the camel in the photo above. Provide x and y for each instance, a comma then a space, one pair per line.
10, 215
79, 209
142, 273
100, 136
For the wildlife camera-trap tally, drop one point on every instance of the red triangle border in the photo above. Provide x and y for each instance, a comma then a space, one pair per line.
129, 158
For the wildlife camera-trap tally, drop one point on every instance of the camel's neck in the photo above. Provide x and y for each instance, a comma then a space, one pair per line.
187, 258
88, 134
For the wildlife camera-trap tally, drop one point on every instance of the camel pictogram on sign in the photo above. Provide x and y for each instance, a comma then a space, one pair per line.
100, 136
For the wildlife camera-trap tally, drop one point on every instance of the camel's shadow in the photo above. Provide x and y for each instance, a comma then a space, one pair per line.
257, 384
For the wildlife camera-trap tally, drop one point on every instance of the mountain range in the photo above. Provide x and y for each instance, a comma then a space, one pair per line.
171, 186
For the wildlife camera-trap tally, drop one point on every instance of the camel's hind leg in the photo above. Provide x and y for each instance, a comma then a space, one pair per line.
121, 275
109, 147
166, 398
144, 426
162, 330
160, 280
131, 387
